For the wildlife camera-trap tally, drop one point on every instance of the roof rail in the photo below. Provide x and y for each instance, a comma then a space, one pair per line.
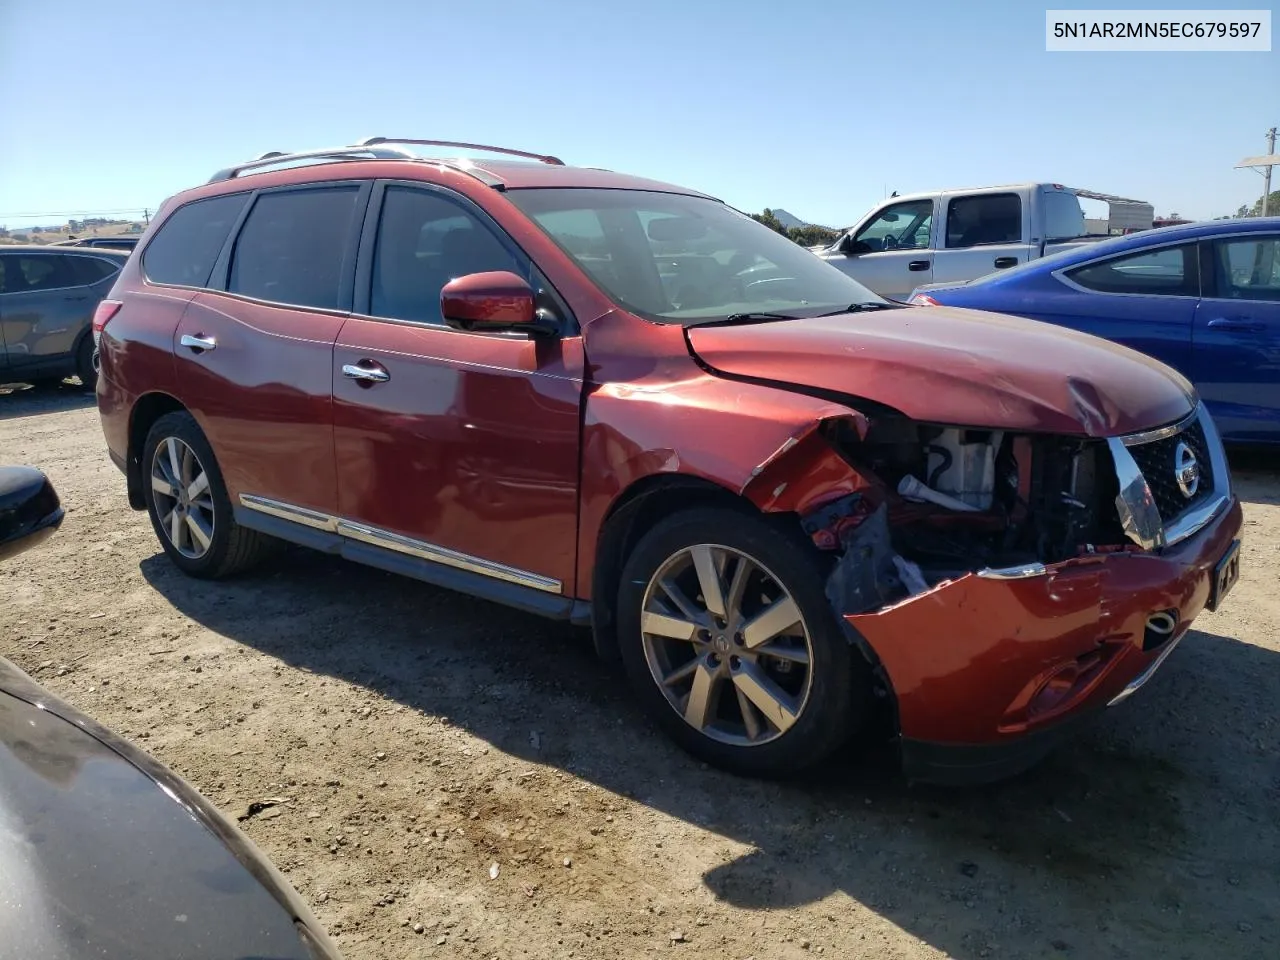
276, 157
541, 157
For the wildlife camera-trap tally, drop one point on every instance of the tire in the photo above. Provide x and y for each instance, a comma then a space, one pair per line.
230, 548
85, 369
812, 708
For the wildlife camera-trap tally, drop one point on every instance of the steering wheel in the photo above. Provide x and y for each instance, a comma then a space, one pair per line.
890, 242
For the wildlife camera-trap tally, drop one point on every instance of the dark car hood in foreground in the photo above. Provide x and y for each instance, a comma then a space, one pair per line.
964, 367
111, 856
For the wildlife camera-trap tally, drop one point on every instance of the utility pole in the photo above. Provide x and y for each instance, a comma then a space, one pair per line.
146, 214
1266, 177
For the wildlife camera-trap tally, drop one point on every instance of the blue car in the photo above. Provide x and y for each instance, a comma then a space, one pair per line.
1202, 297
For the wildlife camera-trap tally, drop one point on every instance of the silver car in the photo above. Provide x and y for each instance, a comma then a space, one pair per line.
47, 299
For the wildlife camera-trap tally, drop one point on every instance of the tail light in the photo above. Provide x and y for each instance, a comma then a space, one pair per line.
924, 300
106, 310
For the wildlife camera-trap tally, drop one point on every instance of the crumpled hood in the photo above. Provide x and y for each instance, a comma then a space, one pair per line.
963, 367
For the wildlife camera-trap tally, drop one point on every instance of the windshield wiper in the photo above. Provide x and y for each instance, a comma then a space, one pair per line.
754, 317
862, 307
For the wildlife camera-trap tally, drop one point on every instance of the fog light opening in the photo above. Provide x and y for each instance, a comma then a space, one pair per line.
1160, 628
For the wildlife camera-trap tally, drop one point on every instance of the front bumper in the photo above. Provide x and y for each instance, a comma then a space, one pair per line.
989, 674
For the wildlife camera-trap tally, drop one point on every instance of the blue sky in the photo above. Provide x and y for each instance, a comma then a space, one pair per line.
816, 107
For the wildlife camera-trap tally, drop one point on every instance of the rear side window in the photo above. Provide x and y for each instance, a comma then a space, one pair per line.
984, 219
87, 270
188, 243
23, 274
1169, 271
291, 247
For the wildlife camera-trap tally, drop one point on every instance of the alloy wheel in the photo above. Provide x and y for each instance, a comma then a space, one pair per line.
727, 645
183, 501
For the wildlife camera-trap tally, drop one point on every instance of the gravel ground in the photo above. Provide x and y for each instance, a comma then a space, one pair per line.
421, 737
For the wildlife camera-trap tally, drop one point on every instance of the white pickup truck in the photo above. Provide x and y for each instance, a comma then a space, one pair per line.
957, 235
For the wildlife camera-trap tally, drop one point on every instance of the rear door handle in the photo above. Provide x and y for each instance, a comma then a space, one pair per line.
1243, 324
1002, 262
917, 265
366, 372
199, 343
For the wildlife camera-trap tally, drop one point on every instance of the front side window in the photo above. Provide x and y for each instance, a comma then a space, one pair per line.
187, 244
292, 246
28, 274
682, 259
984, 219
1168, 271
424, 241
1249, 269
903, 226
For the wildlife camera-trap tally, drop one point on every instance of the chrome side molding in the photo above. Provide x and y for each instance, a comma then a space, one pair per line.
1023, 571
388, 540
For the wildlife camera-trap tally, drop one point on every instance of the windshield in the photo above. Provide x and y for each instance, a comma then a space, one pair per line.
687, 260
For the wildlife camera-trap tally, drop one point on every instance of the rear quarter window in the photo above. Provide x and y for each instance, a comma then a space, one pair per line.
89, 270
187, 245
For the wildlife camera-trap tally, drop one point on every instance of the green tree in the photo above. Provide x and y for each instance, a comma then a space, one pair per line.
812, 235
1273, 207
770, 221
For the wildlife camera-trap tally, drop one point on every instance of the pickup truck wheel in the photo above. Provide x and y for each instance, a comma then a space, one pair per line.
729, 640
188, 504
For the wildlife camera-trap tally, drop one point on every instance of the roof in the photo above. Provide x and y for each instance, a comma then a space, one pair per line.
381, 157
62, 248
1145, 238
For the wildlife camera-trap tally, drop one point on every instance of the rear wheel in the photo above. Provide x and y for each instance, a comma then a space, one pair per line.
86, 365
188, 504
731, 644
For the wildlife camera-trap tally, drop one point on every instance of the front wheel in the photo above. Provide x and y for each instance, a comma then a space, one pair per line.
729, 640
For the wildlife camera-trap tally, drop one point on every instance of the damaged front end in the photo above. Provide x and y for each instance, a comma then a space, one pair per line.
1001, 580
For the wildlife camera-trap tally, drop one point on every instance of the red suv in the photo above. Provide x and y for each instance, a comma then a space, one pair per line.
780, 500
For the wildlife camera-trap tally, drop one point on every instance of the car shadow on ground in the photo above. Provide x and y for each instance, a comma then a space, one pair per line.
26, 400
1159, 825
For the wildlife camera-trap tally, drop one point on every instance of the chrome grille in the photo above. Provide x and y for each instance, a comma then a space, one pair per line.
1158, 462
1154, 510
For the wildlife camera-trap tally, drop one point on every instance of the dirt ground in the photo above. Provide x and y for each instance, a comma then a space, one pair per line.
421, 737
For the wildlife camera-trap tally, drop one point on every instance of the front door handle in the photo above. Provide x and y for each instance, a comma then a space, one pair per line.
1002, 262
366, 372
918, 265
1243, 324
199, 343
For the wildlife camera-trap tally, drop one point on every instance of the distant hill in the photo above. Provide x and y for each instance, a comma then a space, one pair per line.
791, 221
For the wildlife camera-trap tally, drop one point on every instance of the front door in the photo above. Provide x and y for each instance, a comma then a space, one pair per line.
1237, 337
891, 253
456, 448
255, 359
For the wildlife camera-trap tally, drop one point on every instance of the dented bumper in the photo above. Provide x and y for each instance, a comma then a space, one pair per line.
989, 673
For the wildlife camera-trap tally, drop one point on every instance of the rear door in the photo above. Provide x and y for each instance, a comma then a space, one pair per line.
981, 233
254, 354
892, 252
1237, 336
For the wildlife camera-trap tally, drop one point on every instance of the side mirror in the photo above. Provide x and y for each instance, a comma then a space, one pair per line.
851, 247
29, 509
497, 300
